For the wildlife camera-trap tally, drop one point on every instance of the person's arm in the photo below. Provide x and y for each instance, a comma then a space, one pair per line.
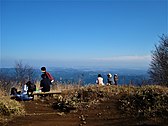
50, 76
25, 88
97, 81
41, 84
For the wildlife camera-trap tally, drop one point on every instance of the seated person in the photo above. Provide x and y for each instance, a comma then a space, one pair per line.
23, 96
14, 93
31, 87
45, 83
99, 80
110, 79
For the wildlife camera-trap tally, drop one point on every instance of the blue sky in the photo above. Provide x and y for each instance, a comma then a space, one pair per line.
68, 33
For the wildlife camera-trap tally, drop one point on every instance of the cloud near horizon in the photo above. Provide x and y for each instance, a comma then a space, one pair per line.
125, 61
126, 58
114, 61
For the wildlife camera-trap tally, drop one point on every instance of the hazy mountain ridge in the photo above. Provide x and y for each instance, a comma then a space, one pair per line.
87, 76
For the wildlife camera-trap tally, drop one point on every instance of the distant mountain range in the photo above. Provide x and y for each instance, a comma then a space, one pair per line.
88, 75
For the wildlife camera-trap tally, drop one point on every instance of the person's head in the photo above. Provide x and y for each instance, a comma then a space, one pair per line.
43, 69
99, 75
28, 83
13, 91
109, 75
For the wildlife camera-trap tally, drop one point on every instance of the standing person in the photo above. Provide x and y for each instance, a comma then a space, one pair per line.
99, 80
115, 79
110, 80
43, 70
48, 75
45, 83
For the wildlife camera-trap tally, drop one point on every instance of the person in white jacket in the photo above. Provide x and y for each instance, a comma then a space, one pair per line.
99, 80
24, 95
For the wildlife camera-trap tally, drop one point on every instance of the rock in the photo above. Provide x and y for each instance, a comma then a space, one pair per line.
84, 122
83, 119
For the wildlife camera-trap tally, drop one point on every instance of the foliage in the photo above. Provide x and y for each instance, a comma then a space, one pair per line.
146, 102
14, 77
23, 72
158, 68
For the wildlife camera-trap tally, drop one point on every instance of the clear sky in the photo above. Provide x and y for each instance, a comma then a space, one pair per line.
68, 33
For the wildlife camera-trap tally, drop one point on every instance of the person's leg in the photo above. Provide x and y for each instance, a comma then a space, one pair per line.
26, 97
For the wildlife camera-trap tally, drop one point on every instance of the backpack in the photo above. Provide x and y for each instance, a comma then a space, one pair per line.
49, 76
31, 86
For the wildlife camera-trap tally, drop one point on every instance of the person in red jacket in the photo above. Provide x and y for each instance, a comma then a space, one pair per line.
48, 75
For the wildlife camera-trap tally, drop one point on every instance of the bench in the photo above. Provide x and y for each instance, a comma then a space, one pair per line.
50, 94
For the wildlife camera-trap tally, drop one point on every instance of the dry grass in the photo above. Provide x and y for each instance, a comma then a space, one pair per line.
9, 108
88, 93
2, 93
152, 99
146, 103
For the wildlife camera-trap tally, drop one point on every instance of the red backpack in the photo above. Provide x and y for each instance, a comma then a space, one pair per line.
49, 76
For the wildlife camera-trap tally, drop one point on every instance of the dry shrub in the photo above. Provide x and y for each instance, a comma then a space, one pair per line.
146, 102
75, 96
9, 108
140, 102
2, 93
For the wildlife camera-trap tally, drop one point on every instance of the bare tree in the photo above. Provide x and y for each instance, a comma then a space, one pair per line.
23, 72
158, 70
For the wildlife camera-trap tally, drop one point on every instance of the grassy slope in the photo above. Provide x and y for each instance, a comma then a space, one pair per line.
75, 96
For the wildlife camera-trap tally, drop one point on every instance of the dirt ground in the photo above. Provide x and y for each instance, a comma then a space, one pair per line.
40, 113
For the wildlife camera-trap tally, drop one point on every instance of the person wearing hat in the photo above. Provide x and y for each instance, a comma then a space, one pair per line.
110, 80
48, 75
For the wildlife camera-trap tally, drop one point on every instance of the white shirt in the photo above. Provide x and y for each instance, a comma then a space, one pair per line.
24, 89
99, 81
